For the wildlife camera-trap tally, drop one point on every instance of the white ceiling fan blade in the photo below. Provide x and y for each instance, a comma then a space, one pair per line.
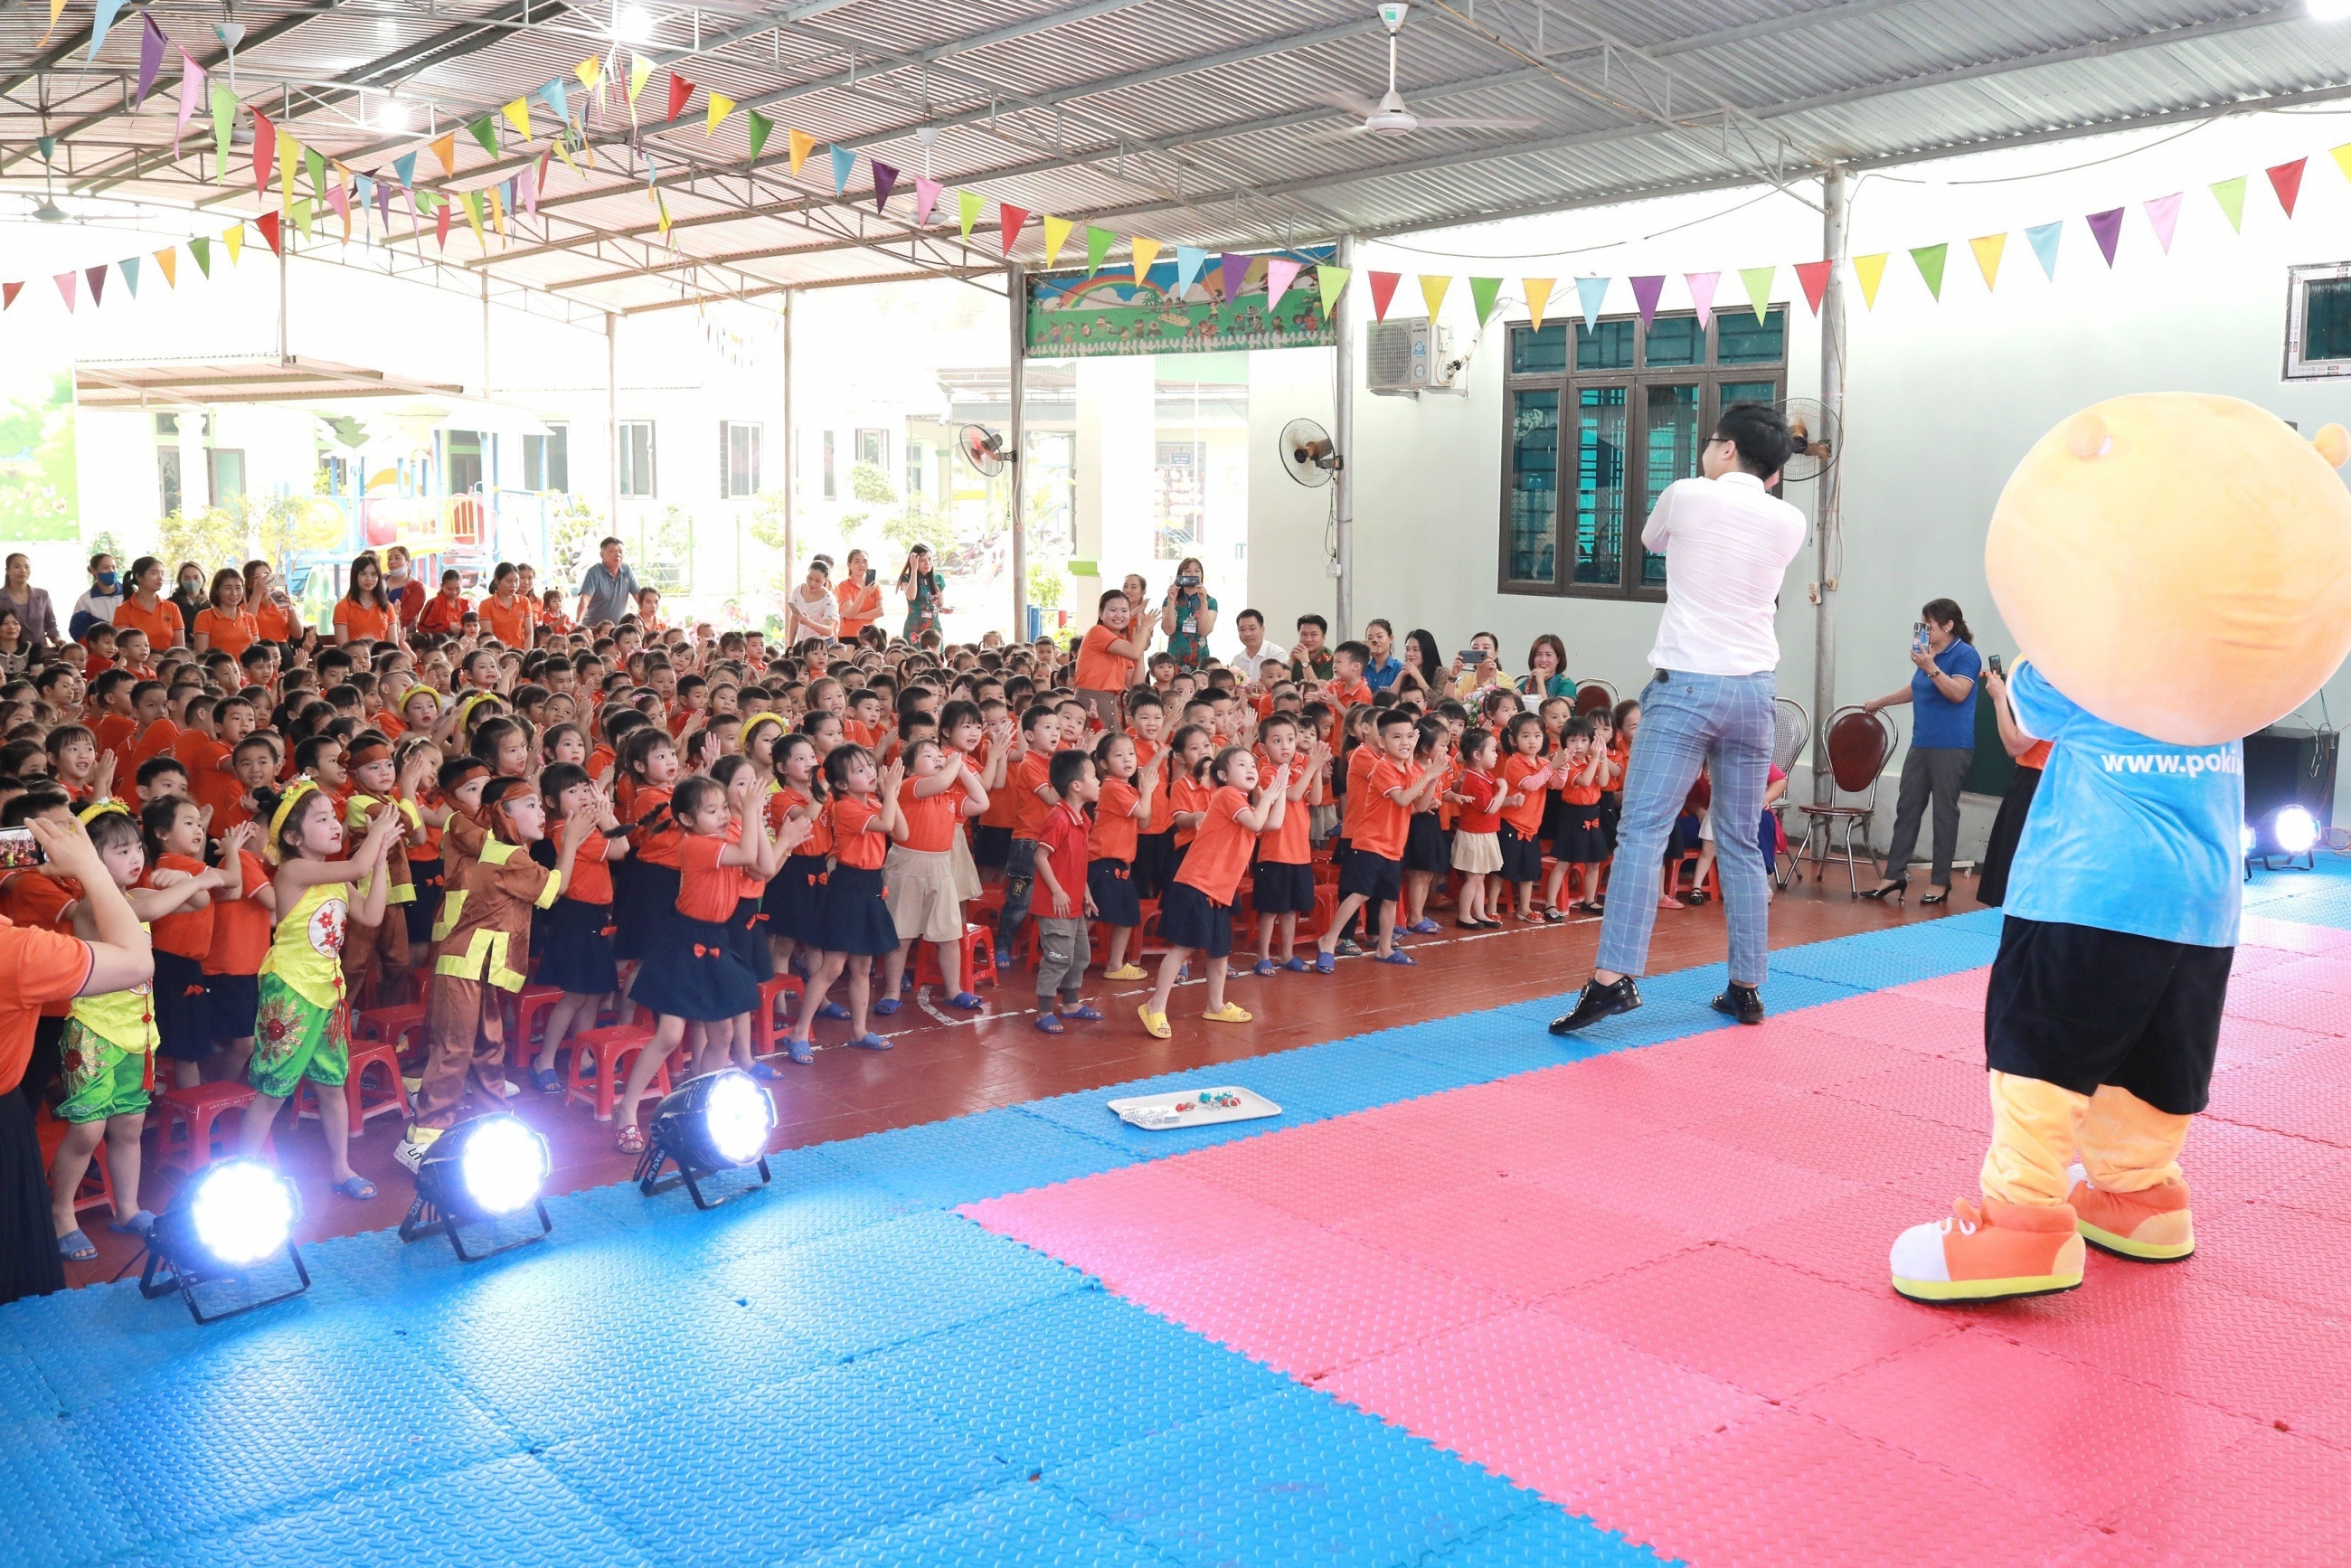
1343, 134
1427, 120
1361, 109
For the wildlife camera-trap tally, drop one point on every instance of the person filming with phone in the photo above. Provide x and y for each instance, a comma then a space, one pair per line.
1188, 614
1942, 698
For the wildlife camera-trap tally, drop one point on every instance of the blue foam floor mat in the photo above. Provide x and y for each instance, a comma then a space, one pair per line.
838, 1370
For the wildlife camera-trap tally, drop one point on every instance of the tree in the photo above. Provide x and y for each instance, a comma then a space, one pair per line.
573, 529
868, 482
213, 536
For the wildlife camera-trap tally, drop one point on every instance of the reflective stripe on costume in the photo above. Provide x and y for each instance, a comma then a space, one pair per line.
305, 950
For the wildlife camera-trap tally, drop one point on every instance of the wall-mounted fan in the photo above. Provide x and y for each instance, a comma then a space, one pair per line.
984, 449
1308, 453
1389, 117
1819, 439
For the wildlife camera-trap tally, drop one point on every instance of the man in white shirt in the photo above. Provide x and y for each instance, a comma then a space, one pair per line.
1727, 541
1255, 650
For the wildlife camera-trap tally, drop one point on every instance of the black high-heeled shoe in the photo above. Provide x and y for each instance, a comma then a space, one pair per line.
1898, 890
1940, 895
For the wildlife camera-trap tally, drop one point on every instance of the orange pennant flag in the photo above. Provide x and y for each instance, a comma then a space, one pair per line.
1538, 296
802, 145
168, 258
446, 150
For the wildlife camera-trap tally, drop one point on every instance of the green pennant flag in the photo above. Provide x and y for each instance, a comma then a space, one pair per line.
1332, 283
1930, 259
302, 213
224, 106
2231, 194
968, 204
473, 204
761, 128
1482, 291
486, 132
315, 162
201, 248
1098, 243
1757, 281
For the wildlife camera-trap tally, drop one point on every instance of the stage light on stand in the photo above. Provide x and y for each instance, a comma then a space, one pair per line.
719, 1122
2296, 830
477, 1173
235, 1214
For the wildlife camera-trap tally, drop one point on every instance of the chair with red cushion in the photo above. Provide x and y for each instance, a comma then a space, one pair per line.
1859, 743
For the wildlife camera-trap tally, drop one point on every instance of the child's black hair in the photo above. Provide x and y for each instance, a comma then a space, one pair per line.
555, 779
1220, 764
109, 829
688, 797
155, 819
1183, 738
1066, 768
638, 747
155, 767
837, 764
311, 747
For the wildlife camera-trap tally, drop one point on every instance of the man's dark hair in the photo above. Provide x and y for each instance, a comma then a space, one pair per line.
1249, 614
1760, 432
607, 542
1317, 623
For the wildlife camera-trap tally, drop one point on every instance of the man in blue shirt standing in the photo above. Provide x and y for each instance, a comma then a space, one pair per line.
608, 590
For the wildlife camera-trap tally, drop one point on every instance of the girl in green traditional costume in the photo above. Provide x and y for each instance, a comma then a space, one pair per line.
304, 1027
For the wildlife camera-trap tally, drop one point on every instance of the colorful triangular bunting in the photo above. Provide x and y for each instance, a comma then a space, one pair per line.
2107, 228
2285, 179
1701, 288
1538, 292
1645, 292
1930, 259
1988, 249
1384, 288
1814, 277
1432, 288
1757, 281
2163, 212
2043, 238
1483, 291
1869, 271
2231, 194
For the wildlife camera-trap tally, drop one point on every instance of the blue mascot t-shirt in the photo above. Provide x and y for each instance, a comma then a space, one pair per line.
2126, 832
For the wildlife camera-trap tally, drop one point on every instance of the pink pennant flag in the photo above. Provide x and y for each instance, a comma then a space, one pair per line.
2164, 213
1701, 288
339, 196
67, 282
192, 92
927, 196
1280, 273
1645, 295
530, 190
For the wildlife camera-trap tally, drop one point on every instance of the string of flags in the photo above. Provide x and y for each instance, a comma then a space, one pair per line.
311, 185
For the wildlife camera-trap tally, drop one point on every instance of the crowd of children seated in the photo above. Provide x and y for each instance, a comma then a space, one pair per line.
655, 821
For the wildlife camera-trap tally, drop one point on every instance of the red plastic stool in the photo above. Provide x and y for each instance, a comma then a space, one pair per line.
531, 1006
365, 1054
773, 994
614, 1048
394, 1025
988, 906
97, 1185
975, 952
184, 1120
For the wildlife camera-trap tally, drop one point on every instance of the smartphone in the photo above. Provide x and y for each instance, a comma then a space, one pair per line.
1473, 656
1918, 636
869, 577
1995, 666
19, 849
1189, 579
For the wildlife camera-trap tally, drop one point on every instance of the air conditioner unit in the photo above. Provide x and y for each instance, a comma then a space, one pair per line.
1407, 356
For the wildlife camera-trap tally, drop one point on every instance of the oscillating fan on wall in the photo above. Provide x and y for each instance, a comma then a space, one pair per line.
1307, 453
1818, 439
984, 449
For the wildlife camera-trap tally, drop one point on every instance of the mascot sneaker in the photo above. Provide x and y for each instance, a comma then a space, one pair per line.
1989, 1253
2153, 1227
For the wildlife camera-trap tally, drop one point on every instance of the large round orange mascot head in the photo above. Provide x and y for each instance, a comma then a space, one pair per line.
2178, 564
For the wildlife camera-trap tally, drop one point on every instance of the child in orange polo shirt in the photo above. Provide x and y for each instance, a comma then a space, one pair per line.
1578, 841
1427, 849
862, 812
1196, 910
1031, 786
1283, 886
1382, 807
242, 922
1477, 852
1125, 799
918, 874
1527, 776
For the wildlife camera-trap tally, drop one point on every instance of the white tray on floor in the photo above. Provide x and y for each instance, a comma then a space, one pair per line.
1193, 1108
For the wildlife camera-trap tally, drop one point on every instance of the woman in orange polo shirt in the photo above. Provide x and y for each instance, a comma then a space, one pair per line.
225, 623
508, 616
274, 612
859, 595
366, 611
145, 608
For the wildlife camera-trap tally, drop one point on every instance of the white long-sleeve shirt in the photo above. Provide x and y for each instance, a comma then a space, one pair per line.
1727, 544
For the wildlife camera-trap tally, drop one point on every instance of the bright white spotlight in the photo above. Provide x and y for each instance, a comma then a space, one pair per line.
2329, 10
631, 24
243, 1212
505, 1165
2245, 837
740, 1114
710, 1124
393, 117
2296, 830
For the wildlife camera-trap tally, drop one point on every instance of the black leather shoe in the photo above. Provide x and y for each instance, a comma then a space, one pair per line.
1598, 1002
1741, 1002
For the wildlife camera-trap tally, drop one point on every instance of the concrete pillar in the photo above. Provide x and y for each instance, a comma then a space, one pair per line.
1117, 450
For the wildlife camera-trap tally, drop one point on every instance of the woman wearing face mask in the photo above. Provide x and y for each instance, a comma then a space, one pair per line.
105, 596
189, 595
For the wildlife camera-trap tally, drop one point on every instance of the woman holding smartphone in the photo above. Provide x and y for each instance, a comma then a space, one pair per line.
924, 588
1942, 698
858, 596
812, 611
1188, 614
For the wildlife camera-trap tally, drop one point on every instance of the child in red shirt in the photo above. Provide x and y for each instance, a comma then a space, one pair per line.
1064, 947
1029, 781
1477, 854
1197, 910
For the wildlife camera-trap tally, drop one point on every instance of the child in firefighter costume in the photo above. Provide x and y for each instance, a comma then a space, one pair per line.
2176, 570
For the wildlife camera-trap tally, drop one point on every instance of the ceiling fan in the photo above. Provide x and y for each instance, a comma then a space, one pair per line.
1389, 117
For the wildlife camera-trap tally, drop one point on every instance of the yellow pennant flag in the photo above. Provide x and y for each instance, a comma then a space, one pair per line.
1538, 296
498, 210
289, 158
664, 208
1432, 290
1056, 233
802, 145
1146, 251
590, 71
640, 69
168, 258
2343, 159
1870, 270
517, 115
56, 9
473, 204
1988, 248
563, 150
720, 106
445, 151
233, 237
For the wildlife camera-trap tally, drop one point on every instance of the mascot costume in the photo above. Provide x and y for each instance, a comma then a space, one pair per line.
2176, 570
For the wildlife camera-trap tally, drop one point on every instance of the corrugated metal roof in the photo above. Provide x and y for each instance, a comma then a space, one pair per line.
1200, 122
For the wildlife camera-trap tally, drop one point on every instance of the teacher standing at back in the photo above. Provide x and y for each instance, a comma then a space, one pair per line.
1727, 541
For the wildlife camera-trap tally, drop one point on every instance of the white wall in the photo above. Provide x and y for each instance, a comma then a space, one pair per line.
1942, 398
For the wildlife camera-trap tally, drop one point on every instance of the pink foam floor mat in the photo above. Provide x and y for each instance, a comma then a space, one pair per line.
1651, 1286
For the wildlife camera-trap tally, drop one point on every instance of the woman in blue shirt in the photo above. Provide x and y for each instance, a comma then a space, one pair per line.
1942, 698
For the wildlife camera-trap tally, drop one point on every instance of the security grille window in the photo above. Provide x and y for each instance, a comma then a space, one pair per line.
1598, 421
637, 459
738, 460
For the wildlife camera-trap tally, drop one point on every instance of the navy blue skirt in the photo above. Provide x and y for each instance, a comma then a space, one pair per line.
182, 1024
749, 926
1279, 889
854, 918
1188, 918
1155, 863
1522, 856
1112, 884
1426, 845
693, 973
576, 954
232, 1003
1580, 839
794, 901
989, 846
643, 909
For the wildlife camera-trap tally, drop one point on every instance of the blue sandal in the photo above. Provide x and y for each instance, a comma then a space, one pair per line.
1325, 963
966, 1001
545, 1077
887, 1006
765, 1071
1296, 967
76, 1247
1083, 1013
832, 1010
1267, 967
1399, 957
800, 1051
871, 1042
142, 1225
357, 1187
1049, 1023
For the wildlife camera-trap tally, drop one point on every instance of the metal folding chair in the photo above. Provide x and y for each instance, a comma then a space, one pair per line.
1859, 743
